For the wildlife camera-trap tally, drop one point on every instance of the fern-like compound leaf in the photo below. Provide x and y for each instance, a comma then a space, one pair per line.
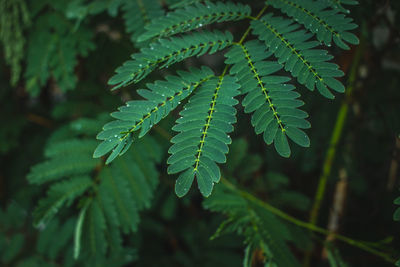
320, 19
118, 189
161, 98
61, 193
193, 17
53, 48
182, 3
61, 166
14, 18
139, 13
261, 229
292, 48
110, 197
94, 227
273, 102
167, 52
202, 140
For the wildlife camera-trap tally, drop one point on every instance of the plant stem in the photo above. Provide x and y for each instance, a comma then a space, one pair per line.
336, 134
249, 28
331, 152
307, 225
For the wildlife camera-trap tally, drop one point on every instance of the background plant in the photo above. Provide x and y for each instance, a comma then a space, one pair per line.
252, 57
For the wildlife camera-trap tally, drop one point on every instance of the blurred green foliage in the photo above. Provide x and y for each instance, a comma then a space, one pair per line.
56, 58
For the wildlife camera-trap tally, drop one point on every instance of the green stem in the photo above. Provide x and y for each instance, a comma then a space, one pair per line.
307, 225
249, 28
336, 135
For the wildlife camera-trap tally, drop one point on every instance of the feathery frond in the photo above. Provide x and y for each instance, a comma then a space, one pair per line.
167, 52
139, 13
320, 19
193, 17
65, 159
182, 3
203, 140
113, 194
261, 229
293, 49
160, 99
64, 192
52, 52
273, 102
14, 19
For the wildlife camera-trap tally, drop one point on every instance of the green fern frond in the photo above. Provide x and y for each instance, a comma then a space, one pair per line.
167, 52
292, 48
59, 194
139, 13
53, 49
193, 17
55, 238
14, 19
160, 99
109, 196
273, 235
317, 17
69, 147
94, 227
182, 3
261, 229
273, 102
57, 168
203, 140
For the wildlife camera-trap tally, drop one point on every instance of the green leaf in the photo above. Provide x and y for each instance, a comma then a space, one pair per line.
184, 182
272, 100
203, 141
166, 52
138, 14
78, 231
320, 19
64, 192
194, 16
281, 144
161, 98
297, 136
293, 49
